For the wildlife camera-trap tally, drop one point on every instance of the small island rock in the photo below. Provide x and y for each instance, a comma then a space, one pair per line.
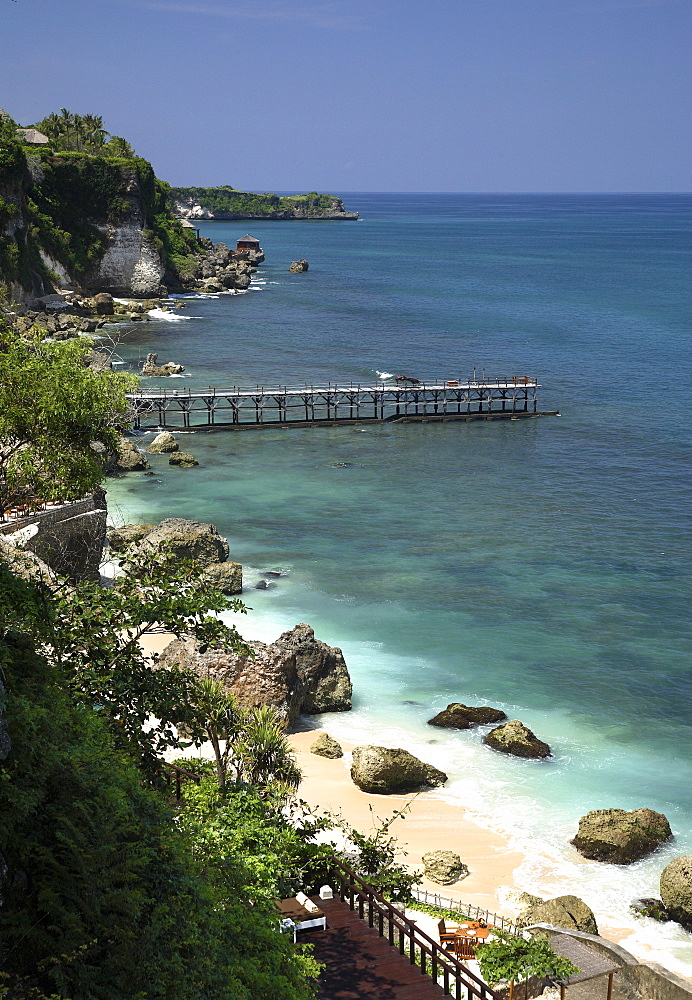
298, 266
563, 911
676, 890
444, 867
226, 576
458, 716
516, 738
620, 837
182, 459
381, 769
163, 443
151, 368
326, 746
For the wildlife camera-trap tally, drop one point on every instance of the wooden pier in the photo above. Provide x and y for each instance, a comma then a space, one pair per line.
319, 405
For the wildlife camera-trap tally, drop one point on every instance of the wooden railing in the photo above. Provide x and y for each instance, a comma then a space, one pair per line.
175, 777
465, 910
402, 933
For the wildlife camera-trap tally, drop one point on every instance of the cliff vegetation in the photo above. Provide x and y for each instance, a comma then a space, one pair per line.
226, 203
64, 204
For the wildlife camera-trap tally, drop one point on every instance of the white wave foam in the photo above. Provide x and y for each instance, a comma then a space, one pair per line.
384, 374
169, 317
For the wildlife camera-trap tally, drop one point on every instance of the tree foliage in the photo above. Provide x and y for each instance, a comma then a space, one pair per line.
227, 200
82, 134
52, 406
510, 958
250, 746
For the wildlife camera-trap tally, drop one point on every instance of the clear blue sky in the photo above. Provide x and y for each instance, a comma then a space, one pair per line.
370, 95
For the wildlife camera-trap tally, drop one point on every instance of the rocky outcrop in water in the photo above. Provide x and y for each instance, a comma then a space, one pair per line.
283, 674
152, 368
128, 534
621, 837
517, 739
183, 459
194, 540
676, 890
383, 770
323, 668
458, 716
225, 576
563, 911
444, 867
298, 266
130, 458
163, 443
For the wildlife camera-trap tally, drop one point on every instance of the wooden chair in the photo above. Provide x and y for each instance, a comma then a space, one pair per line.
447, 938
465, 947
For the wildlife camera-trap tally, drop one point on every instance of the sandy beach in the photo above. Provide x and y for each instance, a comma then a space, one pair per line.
430, 823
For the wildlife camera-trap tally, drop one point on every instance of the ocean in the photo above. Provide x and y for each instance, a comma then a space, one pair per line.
540, 566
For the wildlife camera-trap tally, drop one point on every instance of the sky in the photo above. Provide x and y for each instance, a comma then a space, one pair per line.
370, 95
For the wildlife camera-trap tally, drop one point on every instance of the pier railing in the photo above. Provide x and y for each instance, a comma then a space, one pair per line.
290, 405
404, 934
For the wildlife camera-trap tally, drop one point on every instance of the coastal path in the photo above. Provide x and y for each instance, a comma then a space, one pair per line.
408, 401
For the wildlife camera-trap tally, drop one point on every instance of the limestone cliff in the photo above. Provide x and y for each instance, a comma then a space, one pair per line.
87, 223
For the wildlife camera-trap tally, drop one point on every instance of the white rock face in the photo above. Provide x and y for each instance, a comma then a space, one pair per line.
131, 265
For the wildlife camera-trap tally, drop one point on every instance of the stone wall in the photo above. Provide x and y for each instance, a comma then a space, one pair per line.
69, 538
637, 980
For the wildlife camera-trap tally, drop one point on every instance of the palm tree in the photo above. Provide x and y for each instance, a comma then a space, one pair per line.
263, 754
217, 712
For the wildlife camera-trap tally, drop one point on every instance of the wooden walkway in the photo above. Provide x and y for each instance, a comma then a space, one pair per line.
360, 965
293, 406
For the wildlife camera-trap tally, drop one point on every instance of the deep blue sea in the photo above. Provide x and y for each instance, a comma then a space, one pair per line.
542, 566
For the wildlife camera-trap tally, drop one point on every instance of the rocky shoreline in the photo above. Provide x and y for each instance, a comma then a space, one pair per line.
70, 313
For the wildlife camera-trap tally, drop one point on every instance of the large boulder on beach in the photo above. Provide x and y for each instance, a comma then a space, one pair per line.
265, 673
570, 912
517, 739
382, 769
444, 867
225, 576
128, 534
326, 746
130, 458
328, 686
676, 890
163, 443
621, 837
458, 716
195, 540
516, 900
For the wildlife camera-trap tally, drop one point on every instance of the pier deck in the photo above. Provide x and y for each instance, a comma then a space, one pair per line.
242, 408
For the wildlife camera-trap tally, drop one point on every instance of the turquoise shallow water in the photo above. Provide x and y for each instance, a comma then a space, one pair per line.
542, 565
